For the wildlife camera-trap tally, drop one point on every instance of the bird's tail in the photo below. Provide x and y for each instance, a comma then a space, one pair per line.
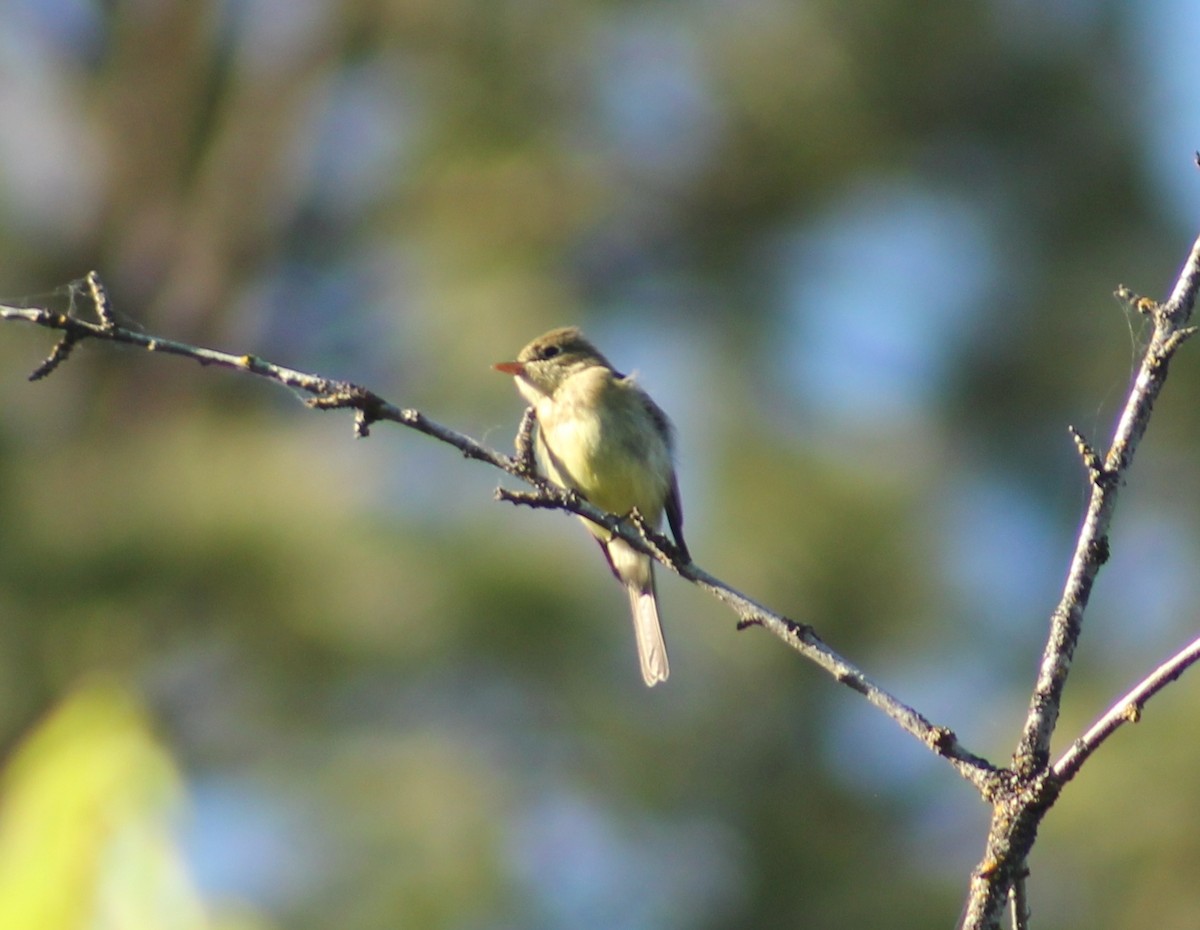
652, 649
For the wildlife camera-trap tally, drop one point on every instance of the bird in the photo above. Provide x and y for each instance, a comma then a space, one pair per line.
600, 435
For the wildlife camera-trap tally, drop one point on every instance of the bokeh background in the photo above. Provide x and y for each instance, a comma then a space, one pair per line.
255, 674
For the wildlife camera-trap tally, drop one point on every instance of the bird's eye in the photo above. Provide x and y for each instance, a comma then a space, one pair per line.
550, 351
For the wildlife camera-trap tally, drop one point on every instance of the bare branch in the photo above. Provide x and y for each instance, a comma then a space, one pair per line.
328, 394
1127, 710
1091, 549
99, 295
1019, 902
801, 637
59, 354
1020, 796
524, 441
1087, 452
1019, 807
369, 408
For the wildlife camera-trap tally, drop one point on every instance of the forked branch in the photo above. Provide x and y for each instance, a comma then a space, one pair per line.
1018, 809
1020, 795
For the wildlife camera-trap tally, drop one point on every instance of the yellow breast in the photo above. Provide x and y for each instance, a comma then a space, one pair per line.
597, 437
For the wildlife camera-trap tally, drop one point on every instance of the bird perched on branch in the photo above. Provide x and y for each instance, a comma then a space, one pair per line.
601, 435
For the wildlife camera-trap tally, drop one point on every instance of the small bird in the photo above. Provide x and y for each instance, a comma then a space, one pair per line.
601, 435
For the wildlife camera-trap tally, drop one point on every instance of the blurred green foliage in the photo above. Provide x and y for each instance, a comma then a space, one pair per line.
254, 674
86, 832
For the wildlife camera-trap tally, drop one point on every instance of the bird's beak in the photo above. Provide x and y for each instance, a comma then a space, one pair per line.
516, 369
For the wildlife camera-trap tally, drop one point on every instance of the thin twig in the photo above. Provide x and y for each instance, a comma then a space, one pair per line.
1020, 796
99, 295
1019, 900
369, 408
1127, 710
1019, 808
60, 353
1091, 549
327, 392
801, 637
